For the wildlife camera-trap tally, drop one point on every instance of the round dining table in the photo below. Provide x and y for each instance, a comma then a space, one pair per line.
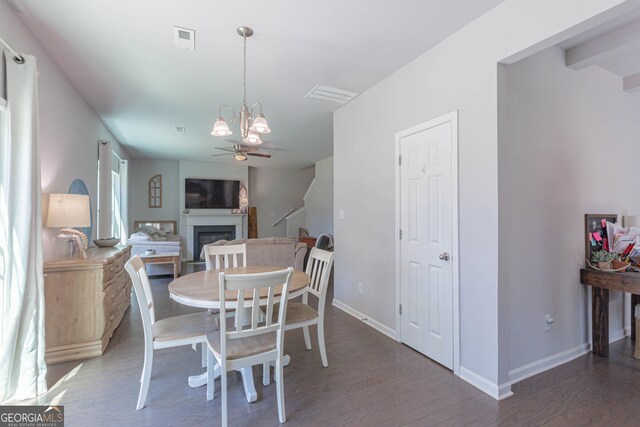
201, 289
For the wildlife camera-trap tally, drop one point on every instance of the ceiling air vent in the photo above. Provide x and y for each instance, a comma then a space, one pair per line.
333, 94
184, 38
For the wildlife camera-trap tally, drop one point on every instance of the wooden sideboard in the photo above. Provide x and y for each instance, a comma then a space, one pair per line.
85, 300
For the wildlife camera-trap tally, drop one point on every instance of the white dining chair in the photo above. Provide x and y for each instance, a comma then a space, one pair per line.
187, 329
225, 256
261, 338
301, 314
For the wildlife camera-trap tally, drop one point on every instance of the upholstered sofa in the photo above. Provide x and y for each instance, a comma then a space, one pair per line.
277, 251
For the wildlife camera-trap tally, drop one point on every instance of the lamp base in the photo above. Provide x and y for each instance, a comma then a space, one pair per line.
75, 238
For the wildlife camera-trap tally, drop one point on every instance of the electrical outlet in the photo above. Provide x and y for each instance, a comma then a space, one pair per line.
360, 288
548, 322
273, 214
341, 214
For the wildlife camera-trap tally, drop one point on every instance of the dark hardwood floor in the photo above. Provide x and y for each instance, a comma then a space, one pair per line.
371, 380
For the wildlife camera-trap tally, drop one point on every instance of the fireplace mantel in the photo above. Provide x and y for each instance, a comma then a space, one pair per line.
213, 219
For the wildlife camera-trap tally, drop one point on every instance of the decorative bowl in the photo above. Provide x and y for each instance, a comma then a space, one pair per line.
107, 243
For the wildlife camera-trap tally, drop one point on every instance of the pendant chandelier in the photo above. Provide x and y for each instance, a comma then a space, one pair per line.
251, 125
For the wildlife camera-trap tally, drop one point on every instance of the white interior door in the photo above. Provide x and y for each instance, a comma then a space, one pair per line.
427, 236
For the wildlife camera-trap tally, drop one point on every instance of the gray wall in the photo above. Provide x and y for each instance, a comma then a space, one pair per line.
140, 172
461, 73
274, 192
69, 129
571, 136
319, 202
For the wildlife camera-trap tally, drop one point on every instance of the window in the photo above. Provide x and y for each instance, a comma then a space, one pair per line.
119, 198
112, 193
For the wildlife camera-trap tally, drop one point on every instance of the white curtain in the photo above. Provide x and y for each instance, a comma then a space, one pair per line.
22, 342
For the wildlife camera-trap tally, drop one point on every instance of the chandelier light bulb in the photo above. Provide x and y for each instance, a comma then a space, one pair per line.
260, 124
253, 138
220, 128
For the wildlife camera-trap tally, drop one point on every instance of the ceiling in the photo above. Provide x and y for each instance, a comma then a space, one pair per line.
120, 55
614, 46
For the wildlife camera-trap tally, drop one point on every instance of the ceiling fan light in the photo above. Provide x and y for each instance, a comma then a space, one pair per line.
260, 124
220, 128
253, 138
240, 156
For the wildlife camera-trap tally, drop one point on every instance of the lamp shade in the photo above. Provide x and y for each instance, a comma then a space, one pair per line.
253, 138
260, 124
68, 210
220, 128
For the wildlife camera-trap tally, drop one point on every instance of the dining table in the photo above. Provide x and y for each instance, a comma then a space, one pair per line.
202, 289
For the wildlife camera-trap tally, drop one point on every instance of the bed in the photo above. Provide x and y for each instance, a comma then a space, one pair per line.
169, 243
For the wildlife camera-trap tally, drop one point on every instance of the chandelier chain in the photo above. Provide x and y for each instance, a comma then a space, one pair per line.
244, 71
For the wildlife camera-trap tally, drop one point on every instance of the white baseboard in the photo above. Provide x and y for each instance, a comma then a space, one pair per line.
619, 334
549, 362
365, 319
498, 392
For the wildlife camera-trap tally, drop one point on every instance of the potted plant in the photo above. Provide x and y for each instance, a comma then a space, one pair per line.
603, 259
619, 263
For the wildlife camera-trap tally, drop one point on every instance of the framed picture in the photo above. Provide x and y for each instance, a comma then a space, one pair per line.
595, 232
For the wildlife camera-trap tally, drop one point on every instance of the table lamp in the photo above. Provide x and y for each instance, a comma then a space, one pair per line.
66, 211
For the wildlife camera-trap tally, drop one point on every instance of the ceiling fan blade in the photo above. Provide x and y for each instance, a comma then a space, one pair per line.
266, 156
226, 154
224, 149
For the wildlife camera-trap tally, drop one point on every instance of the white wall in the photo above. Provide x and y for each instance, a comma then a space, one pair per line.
460, 73
140, 172
568, 151
274, 192
69, 128
208, 170
319, 201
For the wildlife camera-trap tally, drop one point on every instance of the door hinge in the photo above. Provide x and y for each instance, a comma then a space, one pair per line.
399, 160
400, 309
400, 236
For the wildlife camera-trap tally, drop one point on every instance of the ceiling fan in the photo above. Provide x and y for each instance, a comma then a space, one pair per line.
240, 152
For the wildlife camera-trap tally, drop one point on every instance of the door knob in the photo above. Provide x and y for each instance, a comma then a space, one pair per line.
444, 256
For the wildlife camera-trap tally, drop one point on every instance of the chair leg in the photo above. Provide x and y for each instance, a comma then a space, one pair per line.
223, 393
307, 337
265, 374
323, 350
282, 416
146, 375
211, 382
203, 362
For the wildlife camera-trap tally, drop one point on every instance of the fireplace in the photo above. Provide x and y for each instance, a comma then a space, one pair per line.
205, 234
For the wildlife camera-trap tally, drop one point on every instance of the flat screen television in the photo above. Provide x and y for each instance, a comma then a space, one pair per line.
211, 194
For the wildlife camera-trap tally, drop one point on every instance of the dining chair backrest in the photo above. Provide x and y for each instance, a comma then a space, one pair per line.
225, 256
142, 288
319, 269
250, 291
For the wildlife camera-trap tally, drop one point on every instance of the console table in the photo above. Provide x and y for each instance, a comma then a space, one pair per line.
601, 282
